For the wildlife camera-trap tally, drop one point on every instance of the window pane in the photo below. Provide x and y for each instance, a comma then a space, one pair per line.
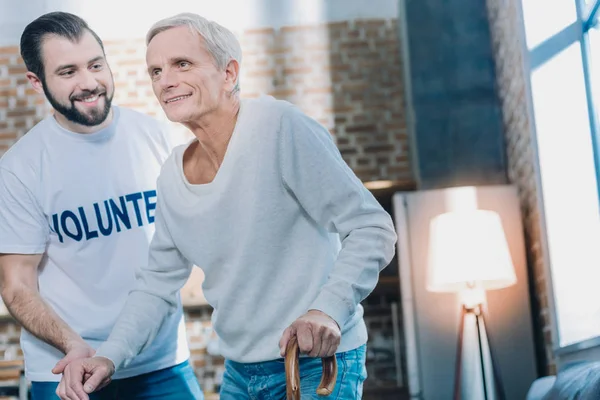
587, 7
594, 55
570, 193
544, 18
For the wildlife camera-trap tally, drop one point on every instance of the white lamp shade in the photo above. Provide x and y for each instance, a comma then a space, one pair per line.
468, 247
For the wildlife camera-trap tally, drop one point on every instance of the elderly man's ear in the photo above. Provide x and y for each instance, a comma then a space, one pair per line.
232, 76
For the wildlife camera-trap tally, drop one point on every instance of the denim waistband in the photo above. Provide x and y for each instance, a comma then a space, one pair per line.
277, 366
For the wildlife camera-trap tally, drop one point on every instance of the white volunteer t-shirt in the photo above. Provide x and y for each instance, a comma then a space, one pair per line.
87, 201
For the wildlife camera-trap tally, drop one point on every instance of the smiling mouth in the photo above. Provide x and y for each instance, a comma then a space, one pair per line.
178, 98
89, 99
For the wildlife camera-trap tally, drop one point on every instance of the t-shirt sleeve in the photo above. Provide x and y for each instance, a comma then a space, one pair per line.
23, 227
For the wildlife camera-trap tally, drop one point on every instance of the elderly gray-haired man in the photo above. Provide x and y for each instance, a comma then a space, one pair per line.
289, 239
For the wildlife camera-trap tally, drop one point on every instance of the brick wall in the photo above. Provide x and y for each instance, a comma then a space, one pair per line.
20, 106
348, 75
508, 45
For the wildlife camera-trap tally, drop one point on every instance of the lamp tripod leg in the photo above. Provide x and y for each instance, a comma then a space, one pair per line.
481, 360
498, 385
458, 364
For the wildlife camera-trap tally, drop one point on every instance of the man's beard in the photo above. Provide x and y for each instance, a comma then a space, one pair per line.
95, 116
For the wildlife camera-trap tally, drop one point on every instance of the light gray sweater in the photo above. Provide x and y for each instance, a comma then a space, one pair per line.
284, 227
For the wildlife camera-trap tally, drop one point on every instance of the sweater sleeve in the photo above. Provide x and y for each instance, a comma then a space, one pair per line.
151, 301
315, 174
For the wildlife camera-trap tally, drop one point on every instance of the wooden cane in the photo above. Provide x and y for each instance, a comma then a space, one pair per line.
292, 372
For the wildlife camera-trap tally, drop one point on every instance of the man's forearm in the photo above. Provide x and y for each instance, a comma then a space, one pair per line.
137, 326
35, 315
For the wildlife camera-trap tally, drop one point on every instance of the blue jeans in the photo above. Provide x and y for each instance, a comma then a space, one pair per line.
266, 380
175, 383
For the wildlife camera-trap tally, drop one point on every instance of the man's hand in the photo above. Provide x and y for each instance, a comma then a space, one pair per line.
74, 351
83, 376
318, 335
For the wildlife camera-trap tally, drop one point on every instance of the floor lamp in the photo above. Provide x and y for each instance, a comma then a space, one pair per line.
469, 254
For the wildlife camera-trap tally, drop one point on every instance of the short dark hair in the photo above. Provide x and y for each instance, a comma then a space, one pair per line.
58, 23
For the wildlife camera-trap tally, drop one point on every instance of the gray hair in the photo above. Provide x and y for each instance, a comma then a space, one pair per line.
220, 42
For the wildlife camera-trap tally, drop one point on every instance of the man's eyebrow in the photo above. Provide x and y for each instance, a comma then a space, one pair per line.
95, 59
151, 68
67, 66
171, 61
